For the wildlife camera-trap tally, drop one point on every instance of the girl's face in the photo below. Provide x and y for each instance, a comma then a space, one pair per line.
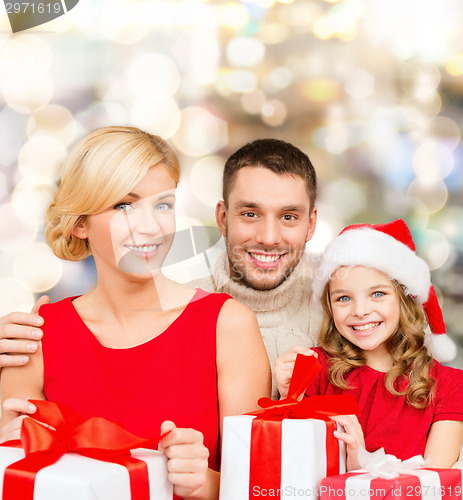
366, 308
136, 233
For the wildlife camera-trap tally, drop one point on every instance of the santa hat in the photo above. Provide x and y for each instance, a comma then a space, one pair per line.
389, 248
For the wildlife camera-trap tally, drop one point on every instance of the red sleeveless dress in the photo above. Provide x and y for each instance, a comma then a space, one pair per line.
170, 377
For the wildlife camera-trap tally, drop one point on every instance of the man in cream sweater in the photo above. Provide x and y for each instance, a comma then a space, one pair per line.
267, 215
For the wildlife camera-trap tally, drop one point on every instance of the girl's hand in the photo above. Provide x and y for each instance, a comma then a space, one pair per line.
353, 437
15, 411
284, 366
187, 464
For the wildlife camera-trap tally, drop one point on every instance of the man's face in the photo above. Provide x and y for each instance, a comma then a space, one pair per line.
266, 226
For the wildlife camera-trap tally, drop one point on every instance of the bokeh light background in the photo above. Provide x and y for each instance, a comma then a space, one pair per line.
372, 90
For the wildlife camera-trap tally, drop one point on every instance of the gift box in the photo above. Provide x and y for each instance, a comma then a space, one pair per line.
386, 477
61, 455
283, 450
76, 477
423, 484
302, 460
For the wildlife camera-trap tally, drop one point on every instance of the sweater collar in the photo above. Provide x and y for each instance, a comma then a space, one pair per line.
257, 300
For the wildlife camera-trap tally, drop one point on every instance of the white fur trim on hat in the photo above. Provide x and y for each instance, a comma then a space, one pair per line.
371, 248
442, 348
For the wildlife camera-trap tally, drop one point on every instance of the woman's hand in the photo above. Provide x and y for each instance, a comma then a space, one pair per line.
14, 412
187, 464
352, 436
284, 366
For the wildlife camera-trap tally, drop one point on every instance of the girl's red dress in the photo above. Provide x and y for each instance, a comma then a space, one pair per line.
389, 421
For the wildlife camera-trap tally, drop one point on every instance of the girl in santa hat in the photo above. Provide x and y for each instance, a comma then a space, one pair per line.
377, 296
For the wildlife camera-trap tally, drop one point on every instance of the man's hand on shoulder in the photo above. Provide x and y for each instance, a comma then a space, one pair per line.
20, 334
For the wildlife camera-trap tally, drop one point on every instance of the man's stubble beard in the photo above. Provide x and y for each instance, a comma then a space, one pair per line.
238, 273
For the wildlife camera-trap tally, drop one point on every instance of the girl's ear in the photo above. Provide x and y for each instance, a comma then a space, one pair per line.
80, 228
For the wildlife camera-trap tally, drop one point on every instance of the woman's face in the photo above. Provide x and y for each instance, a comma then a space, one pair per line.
135, 235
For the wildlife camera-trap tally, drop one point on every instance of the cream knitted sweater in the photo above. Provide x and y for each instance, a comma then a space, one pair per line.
285, 314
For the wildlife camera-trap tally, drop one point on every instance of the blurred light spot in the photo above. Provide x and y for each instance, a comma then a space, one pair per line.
421, 112
339, 21
443, 128
37, 268
278, 79
200, 132
301, 16
274, 112
434, 196
40, 158
24, 56
252, 102
15, 234
222, 82
14, 297
27, 97
419, 80
321, 90
242, 81
53, 119
432, 162
198, 52
450, 223
30, 201
153, 73
454, 65
263, 4
12, 135
234, 15
346, 197
23, 65
322, 236
156, 114
118, 90
434, 248
118, 22
101, 114
206, 179
3, 186
360, 84
412, 210
336, 133
245, 52
323, 28
273, 33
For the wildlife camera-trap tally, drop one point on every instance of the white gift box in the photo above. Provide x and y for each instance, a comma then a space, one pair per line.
303, 459
75, 477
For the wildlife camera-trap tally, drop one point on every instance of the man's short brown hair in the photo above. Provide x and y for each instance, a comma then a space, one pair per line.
278, 156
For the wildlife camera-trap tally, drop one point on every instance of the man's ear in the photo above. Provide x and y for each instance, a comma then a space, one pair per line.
312, 224
221, 217
80, 228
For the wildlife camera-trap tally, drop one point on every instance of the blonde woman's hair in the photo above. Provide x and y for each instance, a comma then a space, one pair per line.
410, 358
100, 170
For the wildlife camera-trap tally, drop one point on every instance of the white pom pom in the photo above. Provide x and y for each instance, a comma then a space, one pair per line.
441, 347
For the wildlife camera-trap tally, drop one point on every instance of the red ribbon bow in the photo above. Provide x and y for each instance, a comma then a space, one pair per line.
55, 430
266, 431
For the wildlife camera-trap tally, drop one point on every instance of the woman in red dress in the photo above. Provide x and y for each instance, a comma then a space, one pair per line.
139, 349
